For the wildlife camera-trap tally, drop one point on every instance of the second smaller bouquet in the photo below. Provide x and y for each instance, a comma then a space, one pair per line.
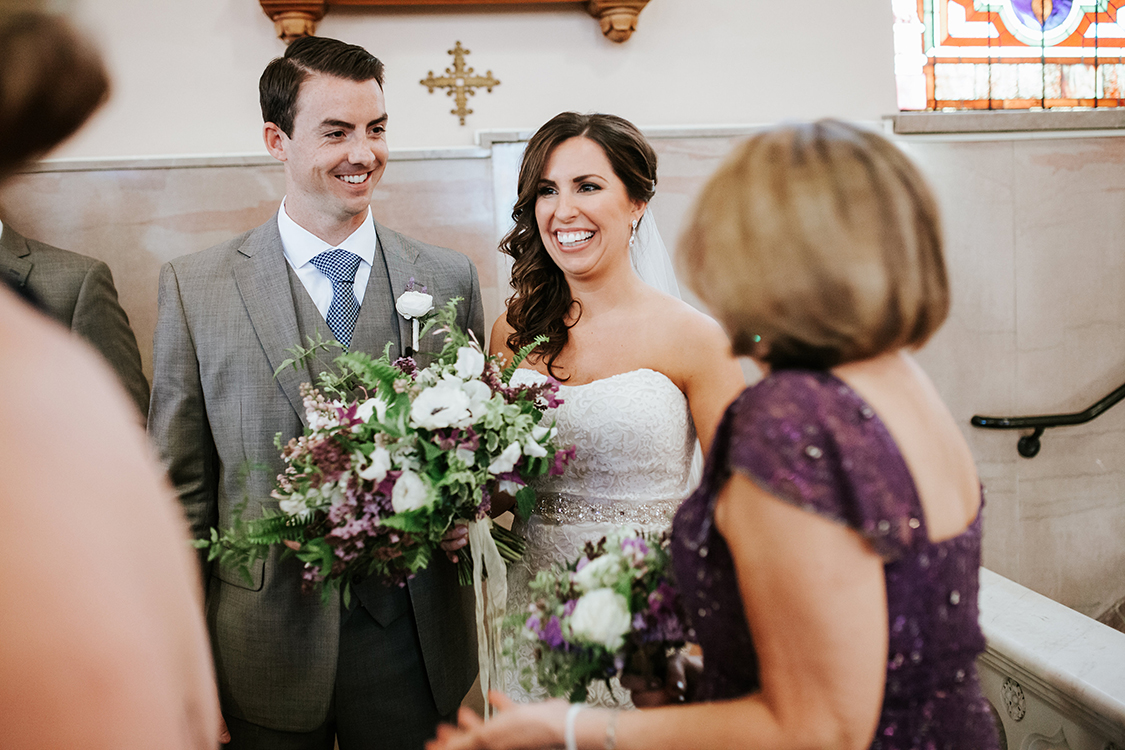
613, 611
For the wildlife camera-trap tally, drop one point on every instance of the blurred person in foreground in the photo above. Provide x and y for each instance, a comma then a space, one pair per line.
830, 556
101, 640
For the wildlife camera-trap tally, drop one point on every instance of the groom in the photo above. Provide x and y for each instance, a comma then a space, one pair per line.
292, 671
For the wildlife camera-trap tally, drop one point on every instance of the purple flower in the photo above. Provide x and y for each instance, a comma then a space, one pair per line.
551, 634
406, 365
562, 458
634, 544
511, 476
568, 608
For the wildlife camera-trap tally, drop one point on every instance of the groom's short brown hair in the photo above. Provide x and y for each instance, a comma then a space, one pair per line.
281, 81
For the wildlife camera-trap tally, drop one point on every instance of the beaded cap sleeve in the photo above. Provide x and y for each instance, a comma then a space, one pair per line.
808, 438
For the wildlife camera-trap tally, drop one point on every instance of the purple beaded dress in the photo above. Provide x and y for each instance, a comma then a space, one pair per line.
810, 440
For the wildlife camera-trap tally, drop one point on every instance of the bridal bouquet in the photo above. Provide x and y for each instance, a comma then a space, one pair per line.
394, 455
613, 611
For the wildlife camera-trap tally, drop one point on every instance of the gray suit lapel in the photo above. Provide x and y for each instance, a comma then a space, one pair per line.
400, 259
14, 263
263, 283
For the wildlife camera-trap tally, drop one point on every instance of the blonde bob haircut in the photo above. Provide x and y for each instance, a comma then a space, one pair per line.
817, 244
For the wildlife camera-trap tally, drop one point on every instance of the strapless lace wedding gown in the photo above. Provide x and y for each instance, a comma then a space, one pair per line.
635, 444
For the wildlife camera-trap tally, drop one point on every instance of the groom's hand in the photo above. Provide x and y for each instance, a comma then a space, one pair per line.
455, 539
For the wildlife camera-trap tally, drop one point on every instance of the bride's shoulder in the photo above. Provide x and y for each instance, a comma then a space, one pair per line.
681, 323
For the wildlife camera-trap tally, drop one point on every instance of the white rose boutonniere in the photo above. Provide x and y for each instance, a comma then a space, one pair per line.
413, 304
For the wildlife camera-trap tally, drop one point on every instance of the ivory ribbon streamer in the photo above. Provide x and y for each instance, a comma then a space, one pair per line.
491, 597
415, 329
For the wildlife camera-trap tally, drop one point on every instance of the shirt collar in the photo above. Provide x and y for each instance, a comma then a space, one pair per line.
301, 246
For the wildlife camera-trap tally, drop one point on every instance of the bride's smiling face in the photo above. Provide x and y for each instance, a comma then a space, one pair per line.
583, 209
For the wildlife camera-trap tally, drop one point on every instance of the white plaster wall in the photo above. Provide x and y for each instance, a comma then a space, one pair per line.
186, 73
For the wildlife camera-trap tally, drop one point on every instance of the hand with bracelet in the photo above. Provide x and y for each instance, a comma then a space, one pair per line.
553, 723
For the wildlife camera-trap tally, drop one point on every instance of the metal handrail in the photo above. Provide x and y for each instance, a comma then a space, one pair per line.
1028, 445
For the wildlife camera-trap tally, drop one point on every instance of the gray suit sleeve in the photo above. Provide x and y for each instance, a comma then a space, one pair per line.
177, 417
475, 312
99, 318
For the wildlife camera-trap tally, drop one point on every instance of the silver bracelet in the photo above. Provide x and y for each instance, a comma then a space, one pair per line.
611, 730
568, 729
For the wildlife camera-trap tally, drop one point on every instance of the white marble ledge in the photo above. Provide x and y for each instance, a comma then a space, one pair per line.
203, 161
1071, 657
984, 125
486, 138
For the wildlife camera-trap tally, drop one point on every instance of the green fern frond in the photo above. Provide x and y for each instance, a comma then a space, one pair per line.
521, 355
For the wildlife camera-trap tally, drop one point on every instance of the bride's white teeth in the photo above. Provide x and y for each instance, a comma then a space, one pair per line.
573, 238
353, 179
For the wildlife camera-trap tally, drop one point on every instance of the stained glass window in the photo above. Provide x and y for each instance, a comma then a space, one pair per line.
1009, 54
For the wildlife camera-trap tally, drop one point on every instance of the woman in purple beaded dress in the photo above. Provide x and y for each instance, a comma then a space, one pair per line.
829, 560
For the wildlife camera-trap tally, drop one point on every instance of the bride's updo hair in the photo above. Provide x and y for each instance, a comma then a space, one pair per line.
818, 244
542, 298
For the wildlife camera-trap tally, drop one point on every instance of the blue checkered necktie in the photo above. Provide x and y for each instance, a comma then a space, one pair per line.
340, 267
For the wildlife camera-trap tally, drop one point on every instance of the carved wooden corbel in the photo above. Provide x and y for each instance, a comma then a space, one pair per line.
294, 19
618, 17
297, 18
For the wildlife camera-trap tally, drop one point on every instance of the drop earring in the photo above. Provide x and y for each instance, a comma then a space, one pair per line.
633, 236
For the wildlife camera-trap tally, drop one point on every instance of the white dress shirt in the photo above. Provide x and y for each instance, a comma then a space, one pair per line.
300, 246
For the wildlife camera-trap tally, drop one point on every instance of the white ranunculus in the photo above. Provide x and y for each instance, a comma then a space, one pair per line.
599, 572
526, 376
508, 487
414, 304
440, 406
294, 505
506, 461
601, 616
380, 464
470, 363
376, 406
539, 432
532, 448
410, 493
479, 395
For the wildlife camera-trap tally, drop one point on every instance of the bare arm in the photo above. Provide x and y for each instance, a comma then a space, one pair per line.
92, 528
814, 597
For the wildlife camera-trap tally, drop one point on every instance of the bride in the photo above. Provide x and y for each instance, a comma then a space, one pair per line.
643, 372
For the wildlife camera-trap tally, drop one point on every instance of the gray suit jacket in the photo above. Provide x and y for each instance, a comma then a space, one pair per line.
226, 320
79, 293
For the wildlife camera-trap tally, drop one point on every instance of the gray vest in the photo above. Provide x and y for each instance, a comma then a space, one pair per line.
385, 603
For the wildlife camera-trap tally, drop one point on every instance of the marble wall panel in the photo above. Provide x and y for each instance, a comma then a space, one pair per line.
137, 219
1070, 288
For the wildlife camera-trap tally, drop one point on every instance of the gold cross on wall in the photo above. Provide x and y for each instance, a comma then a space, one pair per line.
460, 81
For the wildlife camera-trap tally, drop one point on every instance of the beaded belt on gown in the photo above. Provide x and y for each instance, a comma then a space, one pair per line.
564, 508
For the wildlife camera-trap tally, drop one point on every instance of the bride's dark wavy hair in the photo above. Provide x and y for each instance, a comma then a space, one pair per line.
542, 297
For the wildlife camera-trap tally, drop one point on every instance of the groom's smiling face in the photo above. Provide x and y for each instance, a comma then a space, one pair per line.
336, 154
